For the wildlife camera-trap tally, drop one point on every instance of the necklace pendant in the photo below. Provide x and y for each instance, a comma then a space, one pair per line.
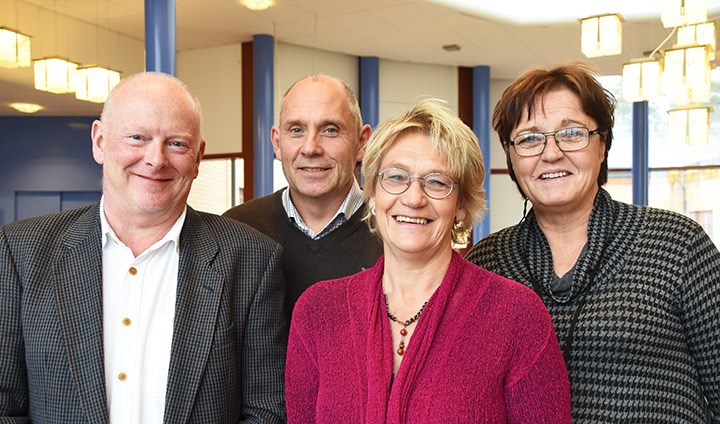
400, 351
403, 332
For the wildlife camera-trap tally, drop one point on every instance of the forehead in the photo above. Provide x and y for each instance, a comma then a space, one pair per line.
555, 106
319, 100
155, 106
415, 149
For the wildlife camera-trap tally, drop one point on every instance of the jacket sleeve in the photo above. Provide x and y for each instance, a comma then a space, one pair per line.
265, 343
537, 387
700, 311
13, 374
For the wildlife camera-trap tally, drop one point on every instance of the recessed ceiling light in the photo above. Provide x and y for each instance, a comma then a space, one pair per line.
257, 4
26, 107
451, 47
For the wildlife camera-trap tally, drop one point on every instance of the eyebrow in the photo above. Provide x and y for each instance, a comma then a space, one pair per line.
565, 123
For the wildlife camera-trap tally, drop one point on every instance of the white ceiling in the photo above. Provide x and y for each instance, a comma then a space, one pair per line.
403, 30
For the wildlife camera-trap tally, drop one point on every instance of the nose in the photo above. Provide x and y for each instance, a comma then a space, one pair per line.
415, 195
311, 146
155, 154
552, 151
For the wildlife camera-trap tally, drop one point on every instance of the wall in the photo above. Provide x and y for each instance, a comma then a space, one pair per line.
45, 154
214, 75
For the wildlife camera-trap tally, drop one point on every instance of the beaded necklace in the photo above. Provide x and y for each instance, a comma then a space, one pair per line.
405, 324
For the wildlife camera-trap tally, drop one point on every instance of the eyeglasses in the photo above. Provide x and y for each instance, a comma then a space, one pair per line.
435, 184
567, 140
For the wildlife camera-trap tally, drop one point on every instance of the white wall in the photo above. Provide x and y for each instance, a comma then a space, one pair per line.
215, 76
506, 203
402, 84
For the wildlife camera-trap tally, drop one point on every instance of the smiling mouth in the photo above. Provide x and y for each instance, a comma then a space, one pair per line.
554, 175
308, 169
401, 218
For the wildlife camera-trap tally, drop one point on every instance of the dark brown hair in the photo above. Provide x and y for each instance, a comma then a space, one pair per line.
579, 77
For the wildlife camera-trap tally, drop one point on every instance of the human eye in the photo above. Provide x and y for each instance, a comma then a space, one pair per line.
572, 135
395, 175
529, 140
437, 181
295, 131
331, 131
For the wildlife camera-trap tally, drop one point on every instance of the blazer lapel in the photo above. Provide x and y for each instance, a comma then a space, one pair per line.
78, 286
199, 289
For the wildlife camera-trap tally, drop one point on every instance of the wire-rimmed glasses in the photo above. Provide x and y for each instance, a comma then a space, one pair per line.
567, 140
434, 184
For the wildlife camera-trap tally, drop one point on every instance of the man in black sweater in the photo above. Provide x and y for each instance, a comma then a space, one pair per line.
317, 219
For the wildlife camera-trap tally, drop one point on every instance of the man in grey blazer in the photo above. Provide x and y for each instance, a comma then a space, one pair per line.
141, 309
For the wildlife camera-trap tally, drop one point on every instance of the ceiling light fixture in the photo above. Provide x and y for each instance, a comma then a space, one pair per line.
55, 75
601, 35
14, 48
689, 125
93, 83
257, 4
26, 107
642, 80
676, 13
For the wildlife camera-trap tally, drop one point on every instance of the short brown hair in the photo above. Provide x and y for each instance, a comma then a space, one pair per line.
579, 77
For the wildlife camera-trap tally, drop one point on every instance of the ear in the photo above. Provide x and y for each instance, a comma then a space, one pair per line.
275, 140
460, 213
363, 138
200, 154
97, 135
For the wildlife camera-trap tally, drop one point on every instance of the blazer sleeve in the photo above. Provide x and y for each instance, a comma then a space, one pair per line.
13, 375
265, 343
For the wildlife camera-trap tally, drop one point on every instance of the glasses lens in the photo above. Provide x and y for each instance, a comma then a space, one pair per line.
570, 139
394, 181
529, 144
437, 186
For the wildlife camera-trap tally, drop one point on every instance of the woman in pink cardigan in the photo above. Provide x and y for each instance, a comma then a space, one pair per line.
424, 336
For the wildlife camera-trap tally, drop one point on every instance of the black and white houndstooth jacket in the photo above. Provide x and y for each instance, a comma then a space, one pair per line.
640, 330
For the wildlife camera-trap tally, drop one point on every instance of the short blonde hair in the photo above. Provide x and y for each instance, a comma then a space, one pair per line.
450, 137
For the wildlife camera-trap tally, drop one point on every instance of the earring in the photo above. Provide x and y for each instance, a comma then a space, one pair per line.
460, 233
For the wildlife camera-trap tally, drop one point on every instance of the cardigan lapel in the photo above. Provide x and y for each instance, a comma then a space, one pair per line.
77, 279
199, 289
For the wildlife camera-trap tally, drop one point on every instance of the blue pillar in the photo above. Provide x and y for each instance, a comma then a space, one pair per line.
160, 36
369, 89
481, 126
263, 98
640, 169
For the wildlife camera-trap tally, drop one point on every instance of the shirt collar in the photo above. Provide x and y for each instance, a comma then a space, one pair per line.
173, 235
352, 202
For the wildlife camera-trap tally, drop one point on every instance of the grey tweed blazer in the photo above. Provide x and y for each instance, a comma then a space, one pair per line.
228, 350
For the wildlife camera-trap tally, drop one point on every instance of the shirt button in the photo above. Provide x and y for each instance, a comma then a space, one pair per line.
122, 376
126, 322
133, 270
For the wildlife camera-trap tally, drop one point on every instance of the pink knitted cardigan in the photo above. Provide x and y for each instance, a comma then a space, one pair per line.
483, 351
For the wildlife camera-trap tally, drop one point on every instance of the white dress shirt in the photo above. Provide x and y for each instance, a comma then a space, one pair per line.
138, 314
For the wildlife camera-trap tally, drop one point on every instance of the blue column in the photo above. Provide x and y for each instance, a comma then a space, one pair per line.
160, 36
263, 98
640, 169
481, 126
369, 89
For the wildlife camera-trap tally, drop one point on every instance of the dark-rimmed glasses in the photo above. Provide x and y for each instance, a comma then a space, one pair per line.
567, 140
435, 185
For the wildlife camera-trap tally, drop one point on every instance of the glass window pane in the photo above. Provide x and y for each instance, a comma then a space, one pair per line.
211, 189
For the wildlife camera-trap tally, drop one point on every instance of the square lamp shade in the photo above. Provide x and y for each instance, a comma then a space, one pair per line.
601, 35
689, 125
699, 34
93, 83
677, 13
642, 80
55, 75
14, 49
686, 74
